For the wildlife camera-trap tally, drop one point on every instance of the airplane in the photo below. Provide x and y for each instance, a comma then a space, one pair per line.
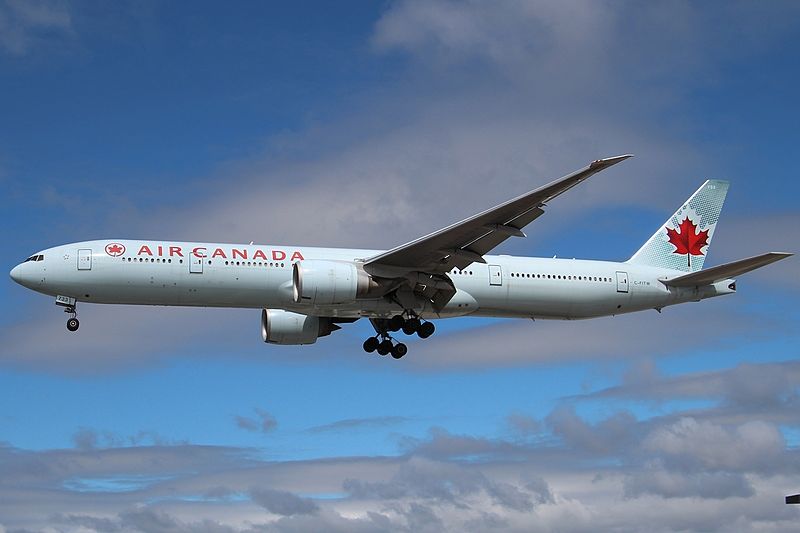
305, 293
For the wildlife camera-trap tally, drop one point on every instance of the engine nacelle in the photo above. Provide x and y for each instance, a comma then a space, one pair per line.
319, 282
284, 327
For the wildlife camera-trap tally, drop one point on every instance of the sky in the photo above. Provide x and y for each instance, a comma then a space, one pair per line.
368, 124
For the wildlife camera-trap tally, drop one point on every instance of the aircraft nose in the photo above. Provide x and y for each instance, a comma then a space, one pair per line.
22, 274
16, 274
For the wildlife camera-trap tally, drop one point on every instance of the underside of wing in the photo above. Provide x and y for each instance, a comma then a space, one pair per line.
465, 242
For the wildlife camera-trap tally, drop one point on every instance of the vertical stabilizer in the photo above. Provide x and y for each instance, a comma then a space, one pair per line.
683, 241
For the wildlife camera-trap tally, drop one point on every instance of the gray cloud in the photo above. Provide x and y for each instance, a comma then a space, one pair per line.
264, 422
607, 437
25, 24
282, 502
714, 485
524, 424
356, 423
767, 391
85, 439
691, 444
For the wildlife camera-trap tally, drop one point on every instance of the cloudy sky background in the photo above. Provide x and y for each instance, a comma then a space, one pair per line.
367, 125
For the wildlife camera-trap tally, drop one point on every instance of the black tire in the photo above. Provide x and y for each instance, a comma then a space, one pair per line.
411, 326
396, 322
426, 330
73, 324
371, 344
399, 350
385, 347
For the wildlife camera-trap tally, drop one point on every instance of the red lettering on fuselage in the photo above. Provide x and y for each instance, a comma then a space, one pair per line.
234, 253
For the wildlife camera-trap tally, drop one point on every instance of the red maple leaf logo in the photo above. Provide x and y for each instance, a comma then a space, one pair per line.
115, 249
686, 239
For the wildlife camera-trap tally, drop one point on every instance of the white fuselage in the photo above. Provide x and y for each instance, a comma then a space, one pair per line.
260, 276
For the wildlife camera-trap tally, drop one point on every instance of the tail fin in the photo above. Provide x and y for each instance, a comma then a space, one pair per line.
683, 241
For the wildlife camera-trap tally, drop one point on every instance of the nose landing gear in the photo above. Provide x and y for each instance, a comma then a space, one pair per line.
382, 342
69, 304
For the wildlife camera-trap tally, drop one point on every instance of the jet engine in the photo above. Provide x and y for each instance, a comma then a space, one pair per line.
284, 327
318, 282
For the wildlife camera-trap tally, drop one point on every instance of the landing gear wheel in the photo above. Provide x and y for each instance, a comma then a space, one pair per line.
385, 347
411, 326
399, 350
72, 324
396, 322
426, 330
371, 344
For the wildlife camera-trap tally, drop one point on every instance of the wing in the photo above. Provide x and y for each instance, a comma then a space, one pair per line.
465, 242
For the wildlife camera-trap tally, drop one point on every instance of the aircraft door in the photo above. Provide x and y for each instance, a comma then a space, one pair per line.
495, 275
84, 259
622, 282
195, 264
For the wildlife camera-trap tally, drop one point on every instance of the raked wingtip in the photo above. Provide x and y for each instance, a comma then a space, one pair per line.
608, 161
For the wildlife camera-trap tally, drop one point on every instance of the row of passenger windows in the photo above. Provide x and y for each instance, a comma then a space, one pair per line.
34, 258
149, 260
560, 276
180, 261
463, 272
253, 263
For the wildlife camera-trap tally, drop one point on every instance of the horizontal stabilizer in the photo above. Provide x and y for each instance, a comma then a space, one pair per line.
726, 271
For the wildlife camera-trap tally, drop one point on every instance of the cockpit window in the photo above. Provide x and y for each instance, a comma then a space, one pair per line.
34, 258
40, 257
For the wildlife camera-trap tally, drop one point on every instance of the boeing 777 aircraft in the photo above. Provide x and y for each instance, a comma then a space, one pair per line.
305, 293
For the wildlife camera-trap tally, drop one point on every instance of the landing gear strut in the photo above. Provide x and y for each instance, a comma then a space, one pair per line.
382, 342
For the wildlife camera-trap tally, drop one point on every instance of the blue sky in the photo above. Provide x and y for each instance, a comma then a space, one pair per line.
366, 125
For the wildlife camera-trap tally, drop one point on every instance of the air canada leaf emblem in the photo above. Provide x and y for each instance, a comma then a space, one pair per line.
115, 249
687, 240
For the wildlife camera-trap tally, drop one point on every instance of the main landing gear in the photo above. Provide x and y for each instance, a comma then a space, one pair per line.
382, 342
69, 305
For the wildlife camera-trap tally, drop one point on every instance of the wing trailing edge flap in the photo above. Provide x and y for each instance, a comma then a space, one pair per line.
726, 271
